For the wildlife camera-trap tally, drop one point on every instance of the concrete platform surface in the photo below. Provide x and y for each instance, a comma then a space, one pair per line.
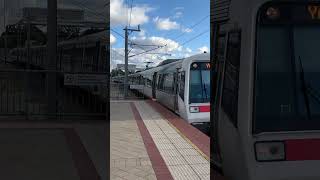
48, 151
145, 145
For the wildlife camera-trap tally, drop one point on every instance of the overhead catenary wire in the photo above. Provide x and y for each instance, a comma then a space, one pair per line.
100, 15
195, 37
194, 25
147, 51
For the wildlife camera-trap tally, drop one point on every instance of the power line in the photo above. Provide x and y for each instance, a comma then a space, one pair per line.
195, 37
147, 51
196, 24
117, 33
117, 52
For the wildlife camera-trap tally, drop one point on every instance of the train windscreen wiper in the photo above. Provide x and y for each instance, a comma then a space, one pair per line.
314, 93
205, 90
304, 90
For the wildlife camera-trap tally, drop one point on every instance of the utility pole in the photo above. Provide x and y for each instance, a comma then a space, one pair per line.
126, 85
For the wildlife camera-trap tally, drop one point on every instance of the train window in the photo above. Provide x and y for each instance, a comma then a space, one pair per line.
199, 90
231, 77
160, 82
289, 102
168, 83
148, 81
181, 85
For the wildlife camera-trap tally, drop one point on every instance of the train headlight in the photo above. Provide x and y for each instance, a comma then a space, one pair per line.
273, 13
270, 151
194, 109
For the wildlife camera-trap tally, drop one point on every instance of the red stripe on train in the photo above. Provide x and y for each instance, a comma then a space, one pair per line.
302, 149
204, 108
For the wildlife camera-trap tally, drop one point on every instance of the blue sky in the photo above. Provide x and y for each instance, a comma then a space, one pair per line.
163, 22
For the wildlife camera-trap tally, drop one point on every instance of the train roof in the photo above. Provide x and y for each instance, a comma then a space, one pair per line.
176, 63
168, 61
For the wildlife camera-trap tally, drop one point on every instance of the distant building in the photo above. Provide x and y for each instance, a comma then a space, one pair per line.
131, 67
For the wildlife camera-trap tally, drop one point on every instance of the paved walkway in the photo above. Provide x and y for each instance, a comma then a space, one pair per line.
145, 145
38, 151
128, 158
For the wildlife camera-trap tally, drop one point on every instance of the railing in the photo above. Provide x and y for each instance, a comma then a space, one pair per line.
117, 91
24, 96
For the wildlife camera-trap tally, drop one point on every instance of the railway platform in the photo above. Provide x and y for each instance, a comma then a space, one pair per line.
150, 142
46, 150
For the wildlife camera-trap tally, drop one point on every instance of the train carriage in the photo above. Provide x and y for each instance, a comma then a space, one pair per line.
182, 85
265, 116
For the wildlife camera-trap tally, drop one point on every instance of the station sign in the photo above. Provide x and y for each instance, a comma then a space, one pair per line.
85, 79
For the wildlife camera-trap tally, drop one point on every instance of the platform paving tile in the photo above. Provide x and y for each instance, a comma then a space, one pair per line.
182, 145
195, 159
163, 141
177, 153
170, 152
178, 140
164, 146
174, 160
129, 157
188, 152
201, 169
205, 177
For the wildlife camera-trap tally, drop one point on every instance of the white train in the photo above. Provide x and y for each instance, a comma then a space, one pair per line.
182, 85
266, 118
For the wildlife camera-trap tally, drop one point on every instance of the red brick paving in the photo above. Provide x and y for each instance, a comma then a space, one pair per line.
160, 168
201, 140
82, 161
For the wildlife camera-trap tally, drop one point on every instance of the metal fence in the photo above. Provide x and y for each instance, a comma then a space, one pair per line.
24, 96
117, 91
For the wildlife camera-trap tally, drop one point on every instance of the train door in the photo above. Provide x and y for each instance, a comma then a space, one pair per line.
154, 85
176, 90
218, 64
224, 116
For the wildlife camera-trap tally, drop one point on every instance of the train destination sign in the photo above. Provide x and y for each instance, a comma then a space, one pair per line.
201, 65
294, 13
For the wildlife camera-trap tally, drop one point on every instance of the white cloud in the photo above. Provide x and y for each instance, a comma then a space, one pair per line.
112, 39
187, 30
188, 50
179, 8
119, 13
204, 48
142, 33
165, 24
156, 56
178, 15
154, 40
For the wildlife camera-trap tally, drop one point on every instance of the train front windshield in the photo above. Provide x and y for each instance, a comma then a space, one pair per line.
199, 83
287, 84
